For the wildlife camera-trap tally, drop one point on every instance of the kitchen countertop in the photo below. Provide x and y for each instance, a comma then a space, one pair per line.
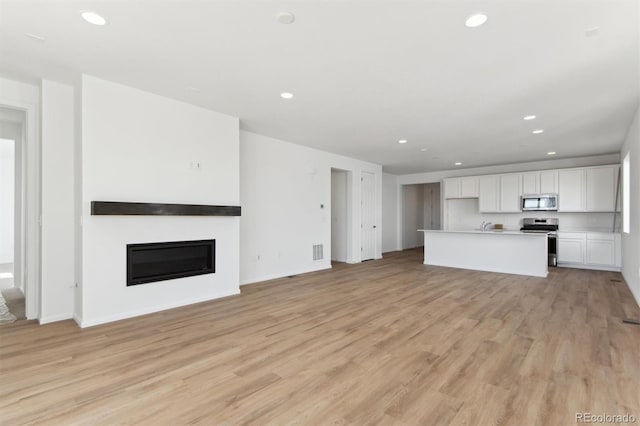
487, 232
604, 230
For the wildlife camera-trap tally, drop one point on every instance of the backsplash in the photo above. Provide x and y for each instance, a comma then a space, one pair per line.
463, 214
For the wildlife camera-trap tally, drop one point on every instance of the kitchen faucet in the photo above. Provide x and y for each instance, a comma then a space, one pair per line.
484, 225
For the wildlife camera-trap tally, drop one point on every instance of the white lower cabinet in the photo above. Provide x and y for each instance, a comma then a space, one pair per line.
571, 247
592, 250
601, 252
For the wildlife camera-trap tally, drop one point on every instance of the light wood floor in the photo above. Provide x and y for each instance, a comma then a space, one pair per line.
389, 341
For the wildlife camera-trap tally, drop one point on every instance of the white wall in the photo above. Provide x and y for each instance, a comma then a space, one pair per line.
57, 203
339, 224
77, 193
390, 208
7, 199
283, 186
631, 241
412, 216
137, 146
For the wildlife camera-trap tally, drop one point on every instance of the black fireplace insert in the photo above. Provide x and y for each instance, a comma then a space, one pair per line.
151, 262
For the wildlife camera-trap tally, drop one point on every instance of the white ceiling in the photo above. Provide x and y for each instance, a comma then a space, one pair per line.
364, 73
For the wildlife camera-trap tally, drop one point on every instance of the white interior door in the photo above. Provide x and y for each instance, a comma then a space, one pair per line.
368, 216
339, 217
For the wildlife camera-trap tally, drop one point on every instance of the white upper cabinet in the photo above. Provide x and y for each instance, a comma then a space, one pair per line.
601, 187
500, 193
452, 188
544, 182
549, 182
584, 189
488, 194
469, 187
590, 189
510, 193
462, 187
571, 190
531, 183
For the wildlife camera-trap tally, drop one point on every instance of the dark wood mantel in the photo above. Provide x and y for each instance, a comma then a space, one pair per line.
117, 208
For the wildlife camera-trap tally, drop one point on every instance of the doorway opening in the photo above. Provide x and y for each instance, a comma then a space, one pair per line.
12, 300
340, 215
420, 210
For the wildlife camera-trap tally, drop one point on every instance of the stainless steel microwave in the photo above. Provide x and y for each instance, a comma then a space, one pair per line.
539, 202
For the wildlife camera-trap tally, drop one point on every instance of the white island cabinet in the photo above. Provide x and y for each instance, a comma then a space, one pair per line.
511, 252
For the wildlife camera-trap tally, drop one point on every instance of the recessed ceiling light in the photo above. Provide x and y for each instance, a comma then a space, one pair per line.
529, 117
423, 149
35, 37
476, 20
592, 32
551, 153
537, 132
286, 17
402, 141
286, 95
458, 164
93, 18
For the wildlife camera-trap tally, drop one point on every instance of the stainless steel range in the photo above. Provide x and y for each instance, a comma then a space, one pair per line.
548, 226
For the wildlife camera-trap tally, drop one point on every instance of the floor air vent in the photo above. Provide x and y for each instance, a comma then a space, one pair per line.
317, 252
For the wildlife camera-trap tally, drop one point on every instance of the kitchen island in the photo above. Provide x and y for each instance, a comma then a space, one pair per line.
511, 252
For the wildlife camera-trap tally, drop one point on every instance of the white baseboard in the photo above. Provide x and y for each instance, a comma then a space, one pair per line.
268, 277
592, 267
54, 318
150, 310
78, 320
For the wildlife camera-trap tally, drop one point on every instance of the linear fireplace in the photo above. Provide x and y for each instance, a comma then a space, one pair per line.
165, 261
